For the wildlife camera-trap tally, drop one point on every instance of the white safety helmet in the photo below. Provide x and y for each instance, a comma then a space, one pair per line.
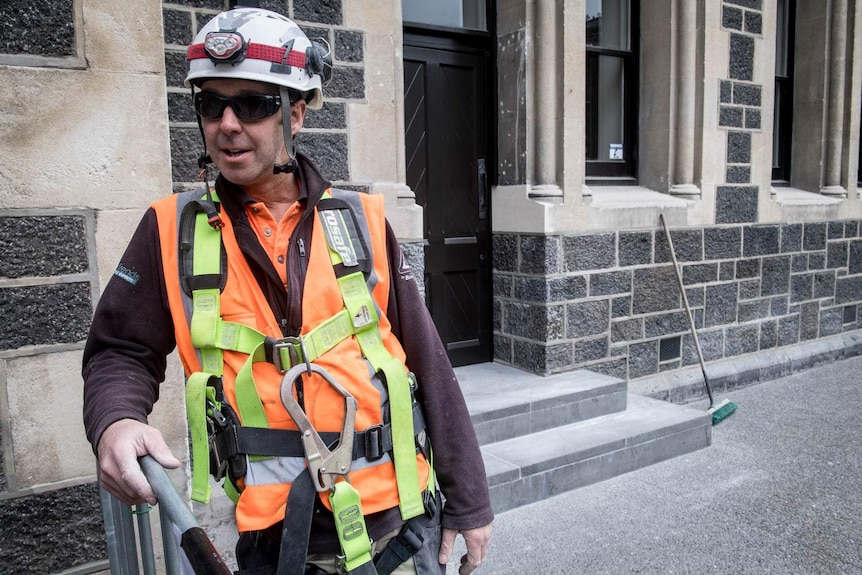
256, 44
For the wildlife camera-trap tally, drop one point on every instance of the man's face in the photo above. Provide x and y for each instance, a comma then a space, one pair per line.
246, 150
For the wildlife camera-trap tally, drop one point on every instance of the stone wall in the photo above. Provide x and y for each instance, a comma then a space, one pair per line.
609, 302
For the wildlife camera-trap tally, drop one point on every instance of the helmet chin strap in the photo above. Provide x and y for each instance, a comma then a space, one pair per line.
290, 166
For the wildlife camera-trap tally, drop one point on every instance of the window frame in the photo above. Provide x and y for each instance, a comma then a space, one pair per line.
783, 105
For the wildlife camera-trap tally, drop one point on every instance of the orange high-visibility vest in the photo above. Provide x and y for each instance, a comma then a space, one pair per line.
267, 483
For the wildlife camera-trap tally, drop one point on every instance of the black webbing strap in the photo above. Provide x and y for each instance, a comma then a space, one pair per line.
408, 542
296, 529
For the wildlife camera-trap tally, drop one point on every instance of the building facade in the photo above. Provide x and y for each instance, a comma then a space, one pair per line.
526, 149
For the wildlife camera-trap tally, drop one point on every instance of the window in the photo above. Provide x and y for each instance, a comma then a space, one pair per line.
782, 132
449, 13
611, 90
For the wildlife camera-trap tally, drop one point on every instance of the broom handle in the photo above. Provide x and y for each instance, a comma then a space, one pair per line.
678, 273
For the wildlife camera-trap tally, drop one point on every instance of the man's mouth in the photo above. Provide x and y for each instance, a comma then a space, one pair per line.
234, 153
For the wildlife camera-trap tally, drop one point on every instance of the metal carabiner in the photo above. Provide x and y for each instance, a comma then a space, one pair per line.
324, 464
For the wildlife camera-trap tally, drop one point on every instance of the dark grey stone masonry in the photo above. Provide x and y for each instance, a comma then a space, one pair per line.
37, 27
45, 314
751, 287
42, 246
52, 532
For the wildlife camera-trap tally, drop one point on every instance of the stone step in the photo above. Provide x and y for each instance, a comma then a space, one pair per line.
535, 466
505, 402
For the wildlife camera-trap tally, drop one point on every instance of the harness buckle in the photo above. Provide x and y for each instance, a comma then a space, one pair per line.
325, 465
374, 443
295, 346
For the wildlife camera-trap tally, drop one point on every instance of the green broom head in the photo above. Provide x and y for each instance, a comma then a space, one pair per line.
722, 411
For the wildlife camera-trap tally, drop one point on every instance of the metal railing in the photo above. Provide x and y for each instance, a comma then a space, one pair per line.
187, 549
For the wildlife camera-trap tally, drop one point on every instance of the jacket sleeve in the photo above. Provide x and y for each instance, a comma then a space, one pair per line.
130, 337
457, 459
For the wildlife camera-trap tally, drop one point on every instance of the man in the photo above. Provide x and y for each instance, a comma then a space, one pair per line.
294, 316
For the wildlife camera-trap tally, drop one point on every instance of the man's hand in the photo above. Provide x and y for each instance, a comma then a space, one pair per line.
120, 446
477, 541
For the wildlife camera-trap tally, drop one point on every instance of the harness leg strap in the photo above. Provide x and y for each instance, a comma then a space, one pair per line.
297, 526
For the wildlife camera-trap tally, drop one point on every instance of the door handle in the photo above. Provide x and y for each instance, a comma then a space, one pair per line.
482, 177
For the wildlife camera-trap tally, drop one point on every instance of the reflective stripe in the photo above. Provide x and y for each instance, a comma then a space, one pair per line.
276, 470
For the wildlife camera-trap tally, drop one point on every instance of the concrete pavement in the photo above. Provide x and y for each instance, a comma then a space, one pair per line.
778, 492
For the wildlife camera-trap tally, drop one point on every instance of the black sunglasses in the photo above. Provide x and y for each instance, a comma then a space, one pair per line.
247, 107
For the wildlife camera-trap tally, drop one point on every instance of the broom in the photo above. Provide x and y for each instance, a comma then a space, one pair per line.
724, 409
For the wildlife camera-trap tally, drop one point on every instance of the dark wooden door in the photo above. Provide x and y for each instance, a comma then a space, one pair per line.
445, 97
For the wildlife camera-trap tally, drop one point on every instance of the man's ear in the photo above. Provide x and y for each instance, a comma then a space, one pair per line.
297, 116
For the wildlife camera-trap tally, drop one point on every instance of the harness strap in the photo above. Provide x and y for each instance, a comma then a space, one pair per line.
196, 411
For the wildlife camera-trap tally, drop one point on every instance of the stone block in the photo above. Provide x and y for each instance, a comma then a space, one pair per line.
791, 237
721, 304
497, 315
636, 248
851, 229
738, 147
331, 116
748, 268
321, 11
731, 18
741, 66
535, 322
749, 289
45, 314
695, 296
505, 252
738, 174
542, 359
175, 68
627, 330
814, 237
41, 534
591, 350
699, 273
177, 25
735, 205
348, 46
503, 350
753, 119
753, 22
836, 255
329, 151
654, 290
848, 290
788, 330
657, 326
277, 6
809, 321
587, 318
726, 271
750, 311
730, 117
779, 305
831, 322
769, 334
823, 284
742, 339
775, 275
854, 257
49, 27
539, 254
835, 230
613, 368
761, 240
643, 359
801, 287
42, 246
687, 243
211, 4
817, 261
589, 252
799, 263
610, 283
543, 289
711, 344
186, 146
347, 83
181, 108
621, 307
746, 94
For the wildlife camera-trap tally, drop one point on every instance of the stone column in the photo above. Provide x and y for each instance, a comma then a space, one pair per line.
832, 176
686, 71
544, 93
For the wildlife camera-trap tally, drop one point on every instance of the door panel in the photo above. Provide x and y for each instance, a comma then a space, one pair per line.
445, 127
